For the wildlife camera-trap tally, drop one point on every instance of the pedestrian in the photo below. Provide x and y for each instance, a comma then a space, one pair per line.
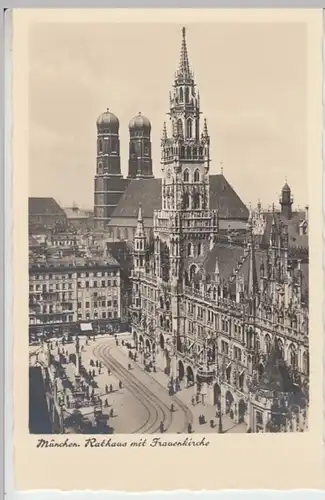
110, 388
94, 373
99, 371
106, 389
161, 427
189, 428
106, 402
193, 401
111, 413
120, 384
108, 371
172, 407
96, 363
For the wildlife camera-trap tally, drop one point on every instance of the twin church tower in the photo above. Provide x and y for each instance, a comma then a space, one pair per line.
109, 182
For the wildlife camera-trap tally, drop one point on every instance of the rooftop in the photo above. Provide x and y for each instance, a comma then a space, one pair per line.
44, 206
147, 192
70, 261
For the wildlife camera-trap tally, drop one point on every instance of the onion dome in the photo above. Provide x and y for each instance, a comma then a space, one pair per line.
108, 121
140, 123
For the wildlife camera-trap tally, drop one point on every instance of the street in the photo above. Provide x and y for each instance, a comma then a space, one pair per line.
132, 400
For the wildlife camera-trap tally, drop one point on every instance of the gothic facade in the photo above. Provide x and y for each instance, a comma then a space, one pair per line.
229, 320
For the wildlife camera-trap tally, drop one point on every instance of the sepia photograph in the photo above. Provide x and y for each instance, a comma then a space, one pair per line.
168, 276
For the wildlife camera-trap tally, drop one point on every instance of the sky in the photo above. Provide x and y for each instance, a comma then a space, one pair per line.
252, 80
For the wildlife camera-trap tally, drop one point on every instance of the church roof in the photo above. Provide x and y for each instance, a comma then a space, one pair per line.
44, 206
228, 257
147, 192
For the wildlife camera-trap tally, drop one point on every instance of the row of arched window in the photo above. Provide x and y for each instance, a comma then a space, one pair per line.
196, 176
194, 251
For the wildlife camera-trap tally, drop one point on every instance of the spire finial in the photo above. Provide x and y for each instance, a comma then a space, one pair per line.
221, 164
164, 133
184, 71
139, 113
140, 213
107, 109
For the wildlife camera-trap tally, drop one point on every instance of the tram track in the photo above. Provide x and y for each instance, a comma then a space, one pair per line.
188, 416
157, 411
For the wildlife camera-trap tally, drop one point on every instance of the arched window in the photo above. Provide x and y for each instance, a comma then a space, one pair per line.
192, 271
189, 128
280, 348
179, 127
293, 356
189, 249
100, 167
181, 95
196, 201
100, 146
199, 249
305, 363
187, 94
186, 201
186, 175
188, 152
197, 176
182, 153
267, 341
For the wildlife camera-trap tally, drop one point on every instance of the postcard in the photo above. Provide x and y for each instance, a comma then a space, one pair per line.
167, 173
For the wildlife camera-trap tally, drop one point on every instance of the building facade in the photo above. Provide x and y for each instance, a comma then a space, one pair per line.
65, 291
229, 320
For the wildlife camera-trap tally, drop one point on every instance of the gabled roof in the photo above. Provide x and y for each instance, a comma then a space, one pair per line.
295, 240
147, 192
32, 242
44, 206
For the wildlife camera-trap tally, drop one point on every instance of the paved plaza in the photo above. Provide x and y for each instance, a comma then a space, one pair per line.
133, 400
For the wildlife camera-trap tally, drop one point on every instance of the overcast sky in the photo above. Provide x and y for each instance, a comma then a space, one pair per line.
252, 80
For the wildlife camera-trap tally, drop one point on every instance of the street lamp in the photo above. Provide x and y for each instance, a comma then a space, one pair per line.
220, 418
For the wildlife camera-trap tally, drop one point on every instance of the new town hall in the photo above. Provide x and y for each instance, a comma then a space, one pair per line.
229, 319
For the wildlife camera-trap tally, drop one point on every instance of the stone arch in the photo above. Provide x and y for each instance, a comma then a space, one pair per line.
148, 345
186, 175
193, 270
190, 375
161, 341
229, 398
293, 356
216, 394
242, 408
181, 370
197, 175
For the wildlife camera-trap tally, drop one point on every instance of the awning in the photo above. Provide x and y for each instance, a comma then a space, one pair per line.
86, 327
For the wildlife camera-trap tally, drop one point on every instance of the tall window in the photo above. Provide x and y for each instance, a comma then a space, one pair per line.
293, 356
179, 127
199, 249
189, 249
187, 94
186, 175
186, 201
192, 271
196, 201
189, 127
181, 94
197, 176
100, 146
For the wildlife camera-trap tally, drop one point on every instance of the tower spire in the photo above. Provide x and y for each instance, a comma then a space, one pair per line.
252, 273
184, 71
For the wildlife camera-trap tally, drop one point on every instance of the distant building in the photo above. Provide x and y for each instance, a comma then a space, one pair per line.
45, 214
79, 219
65, 290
